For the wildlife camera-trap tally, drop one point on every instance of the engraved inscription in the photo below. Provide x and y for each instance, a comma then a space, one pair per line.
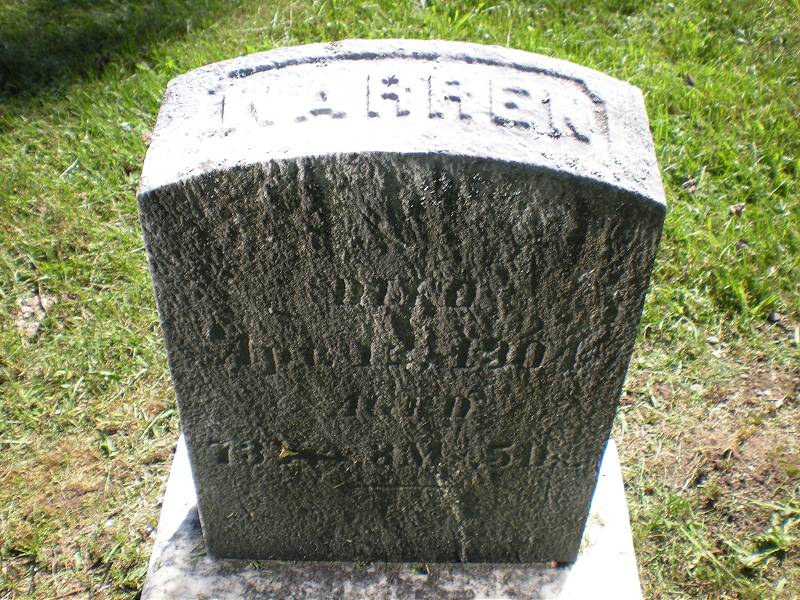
448, 100
396, 349
386, 94
396, 331
407, 463
539, 104
503, 455
322, 108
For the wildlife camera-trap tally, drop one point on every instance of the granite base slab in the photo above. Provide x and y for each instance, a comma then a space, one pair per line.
180, 568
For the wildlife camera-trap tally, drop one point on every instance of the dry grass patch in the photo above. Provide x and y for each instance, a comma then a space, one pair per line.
79, 511
712, 473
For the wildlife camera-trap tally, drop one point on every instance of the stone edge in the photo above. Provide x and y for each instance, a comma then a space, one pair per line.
605, 568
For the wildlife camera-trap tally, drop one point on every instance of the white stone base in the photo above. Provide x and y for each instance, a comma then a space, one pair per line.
179, 567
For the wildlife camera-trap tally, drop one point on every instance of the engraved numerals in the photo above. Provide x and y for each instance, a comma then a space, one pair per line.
504, 455
243, 452
402, 461
254, 452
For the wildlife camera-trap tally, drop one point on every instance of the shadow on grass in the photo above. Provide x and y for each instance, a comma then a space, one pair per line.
45, 44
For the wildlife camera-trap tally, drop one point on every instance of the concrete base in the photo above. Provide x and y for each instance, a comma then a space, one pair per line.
179, 567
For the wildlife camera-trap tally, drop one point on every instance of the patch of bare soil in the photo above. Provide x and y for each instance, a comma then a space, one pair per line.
739, 442
748, 445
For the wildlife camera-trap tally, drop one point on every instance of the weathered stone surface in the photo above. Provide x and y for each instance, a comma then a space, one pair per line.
399, 284
180, 568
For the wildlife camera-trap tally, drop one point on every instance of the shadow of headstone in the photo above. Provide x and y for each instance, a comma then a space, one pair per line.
45, 44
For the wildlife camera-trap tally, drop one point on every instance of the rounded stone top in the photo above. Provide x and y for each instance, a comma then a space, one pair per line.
404, 97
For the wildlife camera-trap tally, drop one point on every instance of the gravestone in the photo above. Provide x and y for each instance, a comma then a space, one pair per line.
399, 283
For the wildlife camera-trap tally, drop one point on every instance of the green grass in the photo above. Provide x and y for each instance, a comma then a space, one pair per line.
87, 418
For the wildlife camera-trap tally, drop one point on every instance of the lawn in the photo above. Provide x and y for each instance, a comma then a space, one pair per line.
709, 426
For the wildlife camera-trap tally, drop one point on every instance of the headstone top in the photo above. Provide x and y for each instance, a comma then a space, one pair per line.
407, 97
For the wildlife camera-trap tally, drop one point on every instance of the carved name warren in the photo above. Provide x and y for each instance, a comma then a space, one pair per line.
538, 103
